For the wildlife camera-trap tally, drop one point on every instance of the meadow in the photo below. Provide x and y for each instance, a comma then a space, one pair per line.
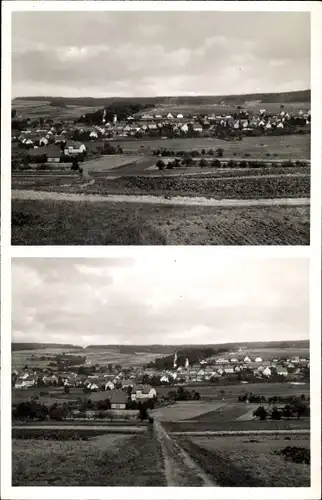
86, 223
247, 462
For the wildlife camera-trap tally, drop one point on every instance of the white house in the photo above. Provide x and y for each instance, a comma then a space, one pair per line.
180, 116
109, 385
258, 359
143, 391
164, 379
281, 370
74, 148
93, 135
229, 369
169, 116
43, 141
267, 371
184, 128
247, 360
280, 125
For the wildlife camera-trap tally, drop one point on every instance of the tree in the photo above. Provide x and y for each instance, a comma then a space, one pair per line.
287, 412
276, 415
216, 163
203, 163
66, 389
160, 165
261, 413
219, 152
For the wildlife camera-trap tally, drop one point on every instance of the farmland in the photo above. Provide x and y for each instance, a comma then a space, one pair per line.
44, 109
100, 356
67, 223
232, 391
284, 147
241, 461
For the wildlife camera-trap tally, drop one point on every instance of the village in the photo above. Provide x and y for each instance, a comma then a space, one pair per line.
144, 383
59, 141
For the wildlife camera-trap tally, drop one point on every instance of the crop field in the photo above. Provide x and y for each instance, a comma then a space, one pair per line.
273, 352
186, 109
279, 186
183, 410
232, 391
102, 461
37, 109
110, 162
284, 147
101, 356
249, 187
86, 223
242, 461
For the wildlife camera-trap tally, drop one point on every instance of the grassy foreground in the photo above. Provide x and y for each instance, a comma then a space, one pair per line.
106, 223
102, 461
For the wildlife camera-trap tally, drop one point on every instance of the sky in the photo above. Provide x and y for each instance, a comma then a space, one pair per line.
102, 54
159, 300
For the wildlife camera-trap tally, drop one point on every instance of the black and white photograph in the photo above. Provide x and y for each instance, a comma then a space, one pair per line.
126, 375
160, 127
130, 371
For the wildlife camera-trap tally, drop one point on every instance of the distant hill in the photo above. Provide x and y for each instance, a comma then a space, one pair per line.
167, 349
278, 97
31, 346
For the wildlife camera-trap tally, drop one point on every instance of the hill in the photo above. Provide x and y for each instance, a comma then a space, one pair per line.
278, 97
31, 346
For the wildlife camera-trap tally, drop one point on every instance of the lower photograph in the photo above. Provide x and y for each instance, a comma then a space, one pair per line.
156, 370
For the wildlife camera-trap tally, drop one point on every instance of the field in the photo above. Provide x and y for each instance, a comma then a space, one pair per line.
100, 356
232, 391
85, 223
110, 162
284, 147
207, 109
38, 109
241, 461
102, 461
232, 188
184, 410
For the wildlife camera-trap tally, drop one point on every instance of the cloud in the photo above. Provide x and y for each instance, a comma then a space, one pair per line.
159, 53
159, 300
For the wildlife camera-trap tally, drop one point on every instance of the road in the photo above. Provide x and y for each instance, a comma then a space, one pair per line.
19, 194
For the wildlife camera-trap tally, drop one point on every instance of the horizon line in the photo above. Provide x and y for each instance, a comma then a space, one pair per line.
161, 96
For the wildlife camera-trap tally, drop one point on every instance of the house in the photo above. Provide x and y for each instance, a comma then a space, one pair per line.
118, 399
220, 371
267, 371
24, 383
109, 385
164, 379
184, 128
197, 128
169, 116
281, 370
43, 141
247, 360
228, 370
93, 135
258, 359
127, 383
75, 147
143, 391
180, 116
280, 125
233, 360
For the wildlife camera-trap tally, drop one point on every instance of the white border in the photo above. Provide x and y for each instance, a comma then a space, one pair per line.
313, 252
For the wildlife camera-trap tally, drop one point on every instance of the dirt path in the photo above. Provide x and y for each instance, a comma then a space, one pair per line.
17, 194
180, 469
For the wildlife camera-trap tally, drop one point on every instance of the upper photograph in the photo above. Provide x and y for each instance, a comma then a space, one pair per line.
160, 128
